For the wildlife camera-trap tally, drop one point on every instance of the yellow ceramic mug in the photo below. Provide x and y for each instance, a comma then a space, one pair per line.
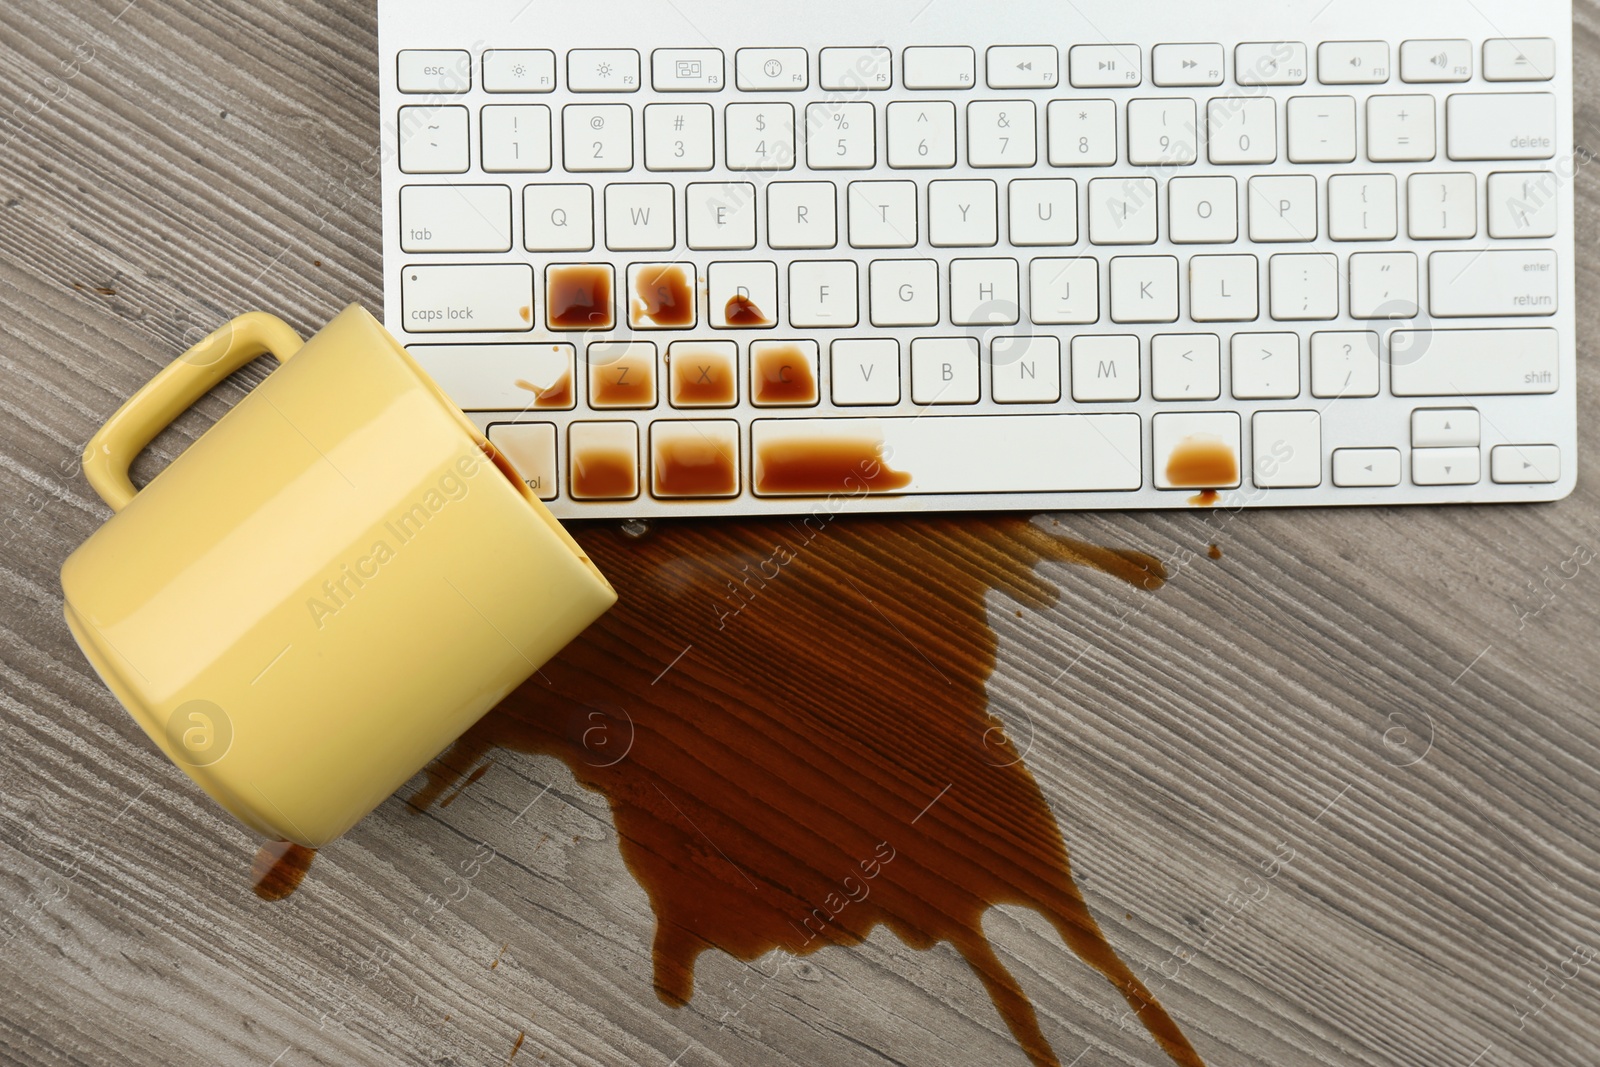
331, 585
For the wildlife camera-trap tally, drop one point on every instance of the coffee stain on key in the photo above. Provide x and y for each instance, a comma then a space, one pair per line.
1204, 463
790, 722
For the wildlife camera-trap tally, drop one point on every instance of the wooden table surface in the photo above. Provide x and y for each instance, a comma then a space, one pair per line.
1403, 701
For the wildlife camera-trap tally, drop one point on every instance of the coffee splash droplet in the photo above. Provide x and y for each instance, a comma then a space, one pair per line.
278, 869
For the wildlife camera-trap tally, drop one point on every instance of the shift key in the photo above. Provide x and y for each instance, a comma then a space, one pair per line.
470, 298
1485, 284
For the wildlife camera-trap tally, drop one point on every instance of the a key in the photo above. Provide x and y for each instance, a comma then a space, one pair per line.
1453, 363
1492, 283
597, 137
1322, 129
516, 138
478, 297
883, 214
1353, 62
1174, 434
639, 217
903, 292
1203, 210
558, 218
686, 70
855, 68
840, 136
1436, 61
455, 218
983, 292
662, 296
1345, 363
1270, 63
1446, 466
1283, 208
702, 374
1400, 129
1522, 205
1186, 366
1304, 287
1500, 126
1519, 59
433, 140
823, 293
603, 460
531, 448
498, 377
1445, 428
1103, 66
1175, 65
1064, 291
1000, 133
1242, 130
1362, 207
1025, 369
1287, 449
694, 458
941, 67
950, 453
578, 296
1043, 211
1030, 66
603, 70
1144, 289
1223, 288
743, 295
802, 215
622, 374
438, 71
962, 213
865, 371
760, 136
1265, 366
944, 370
1525, 464
1355, 468
922, 134
1105, 368
519, 70
771, 69
1383, 285
1082, 133
1442, 206
721, 215
783, 373
678, 137
1122, 211
1162, 133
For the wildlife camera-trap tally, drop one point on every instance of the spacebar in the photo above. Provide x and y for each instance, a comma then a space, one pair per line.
943, 454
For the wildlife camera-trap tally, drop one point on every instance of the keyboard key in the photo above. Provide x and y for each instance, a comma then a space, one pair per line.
702, 374
577, 296
1363, 207
840, 136
1355, 468
694, 459
433, 140
1446, 466
721, 215
1383, 285
1525, 464
743, 295
499, 377
1442, 206
952, 453
1174, 65
783, 373
468, 298
760, 136
1400, 129
1105, 369
1224, 288
983, 292
1522, 206
1436, 61
943, 67
944, 370
1202, 210
639, 217
1122, 211
1000, 133
603, 460
1043, 211
516, 138
1025, 369
883, 214
962, 213
455, 218
686, 70
1180, 439
558, 218
855, 68
1082, 133
1500, 126
1105, 66
622, 374
1270, 63
1028, 66
1064, 291
802, 215
922, 134
823, 293
1283, 208
1287, 449
771, 69
1242, 130
1265, 366
1453, 363
531, 448
1445, 428
1345, 364
1162, 133
1519, 59
1322, 129
678, 137
519, 70
597, 137
603, 70
1353, 62
1501, 283
1186, 366
444, 71
1144, 289
1304, 287
865, 371
903, 292
662, 296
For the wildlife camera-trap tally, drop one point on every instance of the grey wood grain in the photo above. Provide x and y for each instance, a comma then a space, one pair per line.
166, 165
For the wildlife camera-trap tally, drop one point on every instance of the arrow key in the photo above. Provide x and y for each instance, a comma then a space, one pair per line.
1366, 467
1446, 466
1444, 428
1525, 464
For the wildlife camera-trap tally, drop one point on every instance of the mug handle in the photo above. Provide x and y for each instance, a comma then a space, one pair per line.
110, 452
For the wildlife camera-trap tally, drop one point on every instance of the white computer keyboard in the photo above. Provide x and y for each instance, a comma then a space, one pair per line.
705, 257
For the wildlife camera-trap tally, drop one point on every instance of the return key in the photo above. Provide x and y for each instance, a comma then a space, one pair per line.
1477, 284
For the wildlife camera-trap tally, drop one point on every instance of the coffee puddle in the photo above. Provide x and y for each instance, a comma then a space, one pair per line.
278, 869
819, 758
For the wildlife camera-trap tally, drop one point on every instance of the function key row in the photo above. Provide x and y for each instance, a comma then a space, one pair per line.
955, 67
